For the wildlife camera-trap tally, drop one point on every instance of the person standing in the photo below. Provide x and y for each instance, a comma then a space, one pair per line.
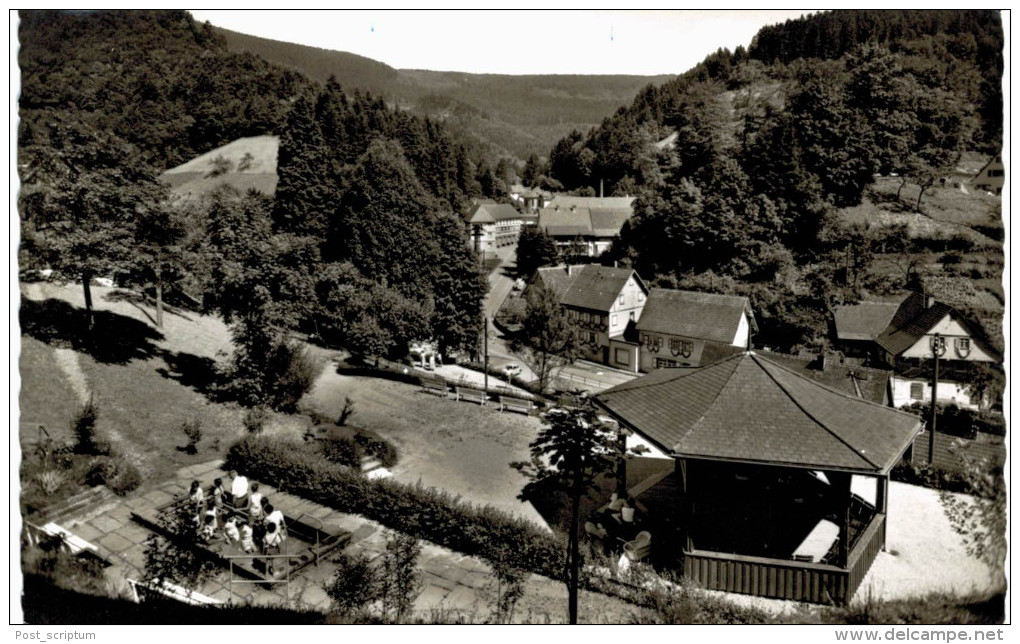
239, 490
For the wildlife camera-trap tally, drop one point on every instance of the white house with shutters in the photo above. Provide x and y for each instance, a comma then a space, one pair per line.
906, 345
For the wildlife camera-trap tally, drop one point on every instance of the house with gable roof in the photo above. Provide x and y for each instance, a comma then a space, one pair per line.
495, 225
604, 303
688, 328
991, 177
904, 344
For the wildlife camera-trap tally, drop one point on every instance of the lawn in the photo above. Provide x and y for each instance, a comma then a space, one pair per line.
146, 383
46, 398
457, 446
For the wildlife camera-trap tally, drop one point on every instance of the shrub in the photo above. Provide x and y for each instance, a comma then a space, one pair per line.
425, 512
193, 432
49, 481
346, 412
84, 428
341, 450
398, 572
255, 419
377, 447
115, 473
127, 480
935, 478
957, 421
354, 586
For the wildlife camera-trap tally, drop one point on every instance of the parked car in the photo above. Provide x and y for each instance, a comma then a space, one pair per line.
512, 370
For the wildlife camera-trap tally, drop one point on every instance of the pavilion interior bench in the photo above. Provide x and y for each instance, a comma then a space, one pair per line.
508, 403
432, 386
471, 395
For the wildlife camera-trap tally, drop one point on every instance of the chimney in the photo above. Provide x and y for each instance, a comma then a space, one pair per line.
600, 188
929, 301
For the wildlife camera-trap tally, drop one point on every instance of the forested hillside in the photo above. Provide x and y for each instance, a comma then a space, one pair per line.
360, 241
506, 116
773, 148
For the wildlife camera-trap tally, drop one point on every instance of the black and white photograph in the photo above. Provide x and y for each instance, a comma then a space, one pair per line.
509, 317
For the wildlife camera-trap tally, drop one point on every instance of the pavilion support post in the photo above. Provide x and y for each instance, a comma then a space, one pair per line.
621, 466
841, 501
882, 499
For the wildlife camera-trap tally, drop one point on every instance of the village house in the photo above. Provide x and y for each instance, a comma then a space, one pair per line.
991, 177
529, 199
688, 329
585, 226
495, 225
604, 302
901, 337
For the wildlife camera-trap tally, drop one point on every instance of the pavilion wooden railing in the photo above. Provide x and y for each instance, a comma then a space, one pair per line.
787, 579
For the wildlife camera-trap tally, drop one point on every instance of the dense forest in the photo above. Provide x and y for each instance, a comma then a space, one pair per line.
360, 242
498, 115
769, 145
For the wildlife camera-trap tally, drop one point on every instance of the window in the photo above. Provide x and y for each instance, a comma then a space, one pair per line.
632, 316
996, 173
614, 320
916, 391
664, 363
962, 346
586, 317
640, 297
621, 300
622, 356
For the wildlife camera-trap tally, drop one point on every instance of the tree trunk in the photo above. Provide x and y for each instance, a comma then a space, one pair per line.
90, 316
159, 299
900, 189
574, 557
919, 195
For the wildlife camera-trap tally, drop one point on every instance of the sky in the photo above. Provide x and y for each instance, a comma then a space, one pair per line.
514, 42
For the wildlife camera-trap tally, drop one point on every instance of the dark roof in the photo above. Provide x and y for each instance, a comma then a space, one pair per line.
565, 222
864, 321
566, 201
607, 222
860, 382
897, 339
488, 213
597, 287
706, 316
748, 408
557, 278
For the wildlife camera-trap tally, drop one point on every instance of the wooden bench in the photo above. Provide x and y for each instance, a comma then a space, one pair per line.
75, 544
471, 395
515, 404
173, 591
430, 386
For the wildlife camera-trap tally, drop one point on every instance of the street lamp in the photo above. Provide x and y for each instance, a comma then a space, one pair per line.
938, 349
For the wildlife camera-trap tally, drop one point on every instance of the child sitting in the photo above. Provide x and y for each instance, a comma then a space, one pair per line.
230, 530
209, 529
247, 536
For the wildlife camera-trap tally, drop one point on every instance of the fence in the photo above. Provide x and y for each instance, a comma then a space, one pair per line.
949, 448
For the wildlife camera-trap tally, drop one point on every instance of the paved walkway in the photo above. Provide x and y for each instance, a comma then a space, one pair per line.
453, 583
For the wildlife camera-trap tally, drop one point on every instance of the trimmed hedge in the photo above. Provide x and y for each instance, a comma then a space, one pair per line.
425, 512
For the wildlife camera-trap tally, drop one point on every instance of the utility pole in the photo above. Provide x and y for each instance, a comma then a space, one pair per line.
485, 351
938, 347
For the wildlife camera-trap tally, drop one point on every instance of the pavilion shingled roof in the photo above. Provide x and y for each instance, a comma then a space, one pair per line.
748, 408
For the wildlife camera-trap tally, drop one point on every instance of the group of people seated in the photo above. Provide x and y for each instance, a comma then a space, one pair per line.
243, 518
614, 524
